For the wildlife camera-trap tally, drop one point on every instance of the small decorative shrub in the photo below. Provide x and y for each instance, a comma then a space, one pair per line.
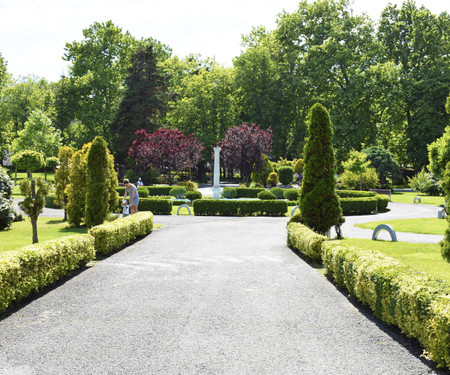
159, 190
285, 174
142, 191
352, 180
229, 192
193, 195
50, 201
298, 166
291, 194
243, 192
157, 206
265, 194
273, 179
7, 211
189, 185
278, 192
178, 192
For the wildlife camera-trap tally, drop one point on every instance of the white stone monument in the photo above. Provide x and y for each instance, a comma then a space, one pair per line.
216, 185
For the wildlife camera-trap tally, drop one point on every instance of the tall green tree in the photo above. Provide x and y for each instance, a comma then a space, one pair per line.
318, 202
357, 163
38, 135
445, 243
417, 41
62, 178
144, 102
97, 203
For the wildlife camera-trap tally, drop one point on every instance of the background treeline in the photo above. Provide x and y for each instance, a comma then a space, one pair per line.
385, 84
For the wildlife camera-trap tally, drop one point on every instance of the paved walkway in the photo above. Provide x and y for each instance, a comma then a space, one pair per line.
203, 295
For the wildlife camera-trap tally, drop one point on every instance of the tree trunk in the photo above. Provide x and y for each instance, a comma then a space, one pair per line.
34, 225
201, 172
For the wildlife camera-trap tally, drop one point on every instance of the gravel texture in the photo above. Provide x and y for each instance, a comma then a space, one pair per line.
203, 295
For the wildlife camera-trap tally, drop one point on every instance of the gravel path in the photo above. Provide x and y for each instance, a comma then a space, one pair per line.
203, 295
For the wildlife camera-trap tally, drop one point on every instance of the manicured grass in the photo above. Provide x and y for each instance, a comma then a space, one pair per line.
408, 197
49, 228
21, 175
423, 257
425, 226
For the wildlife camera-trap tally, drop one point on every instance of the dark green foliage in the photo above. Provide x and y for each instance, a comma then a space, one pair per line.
213, 207
285, 174
358, 206
157, 206
193, 195
445, 243
50, 201
6, 186
97, 205
355, 193
383, 161
7, 212
318, 202
178, 192
159, 190
266, 195
52, 162
120, 190
382, 202
142, 191
291, 194
278, 192
260, 176
272, 180
248, 192
229, 192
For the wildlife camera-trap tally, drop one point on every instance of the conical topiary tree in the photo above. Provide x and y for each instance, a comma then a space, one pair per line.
319, 204
97, 197
62, 178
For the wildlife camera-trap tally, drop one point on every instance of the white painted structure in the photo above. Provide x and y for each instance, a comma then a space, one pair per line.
216, 184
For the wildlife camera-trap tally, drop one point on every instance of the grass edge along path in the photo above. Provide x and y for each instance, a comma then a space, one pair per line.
421, 226
424, 257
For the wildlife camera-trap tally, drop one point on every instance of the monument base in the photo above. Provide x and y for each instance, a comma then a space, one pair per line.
216, 192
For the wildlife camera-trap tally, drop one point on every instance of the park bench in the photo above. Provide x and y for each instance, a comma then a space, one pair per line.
383, 191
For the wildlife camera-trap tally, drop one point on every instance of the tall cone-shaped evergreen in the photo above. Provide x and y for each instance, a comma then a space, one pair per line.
97, 196
318, 202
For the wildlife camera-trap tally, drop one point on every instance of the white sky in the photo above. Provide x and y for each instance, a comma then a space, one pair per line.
33, 33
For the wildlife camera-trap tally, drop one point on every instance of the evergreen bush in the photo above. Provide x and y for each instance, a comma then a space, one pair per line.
189, 185
272, 180
285, 174
366, 180
62, 178
445, 243
159, 190
248, 192
318, 202
266, 195
298, 166
178, 192
291, 194
7, 212
97, 204
193, 195
229, 192
278, 192
142, 191
260, 176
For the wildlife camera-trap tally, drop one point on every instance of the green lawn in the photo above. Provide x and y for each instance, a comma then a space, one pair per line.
49, 228
422, 257
425, 226
21, 175
408, 197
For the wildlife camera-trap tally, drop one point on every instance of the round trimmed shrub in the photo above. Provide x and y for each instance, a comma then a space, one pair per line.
193, 195
142, 191
178, 192
298, 166
189, 185
229, 192
278, 192
273, 179
291, 194
285, 174
265, 194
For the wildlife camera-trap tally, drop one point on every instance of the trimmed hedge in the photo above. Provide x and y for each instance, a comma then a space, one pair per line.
212, 207
358, 206
159, 190
355, 193
248, 192
120, 190
142, 191
33, 267
112, 236
415, 302
266, 195
305, 241
383, 201
193, 195
291, 194
157, 206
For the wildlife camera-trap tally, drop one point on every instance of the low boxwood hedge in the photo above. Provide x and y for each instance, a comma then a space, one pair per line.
159, 190
212, 207
112, 236
355, 193
305, 241
157, 206
413, 301
358, 206
33, 267
383, 201
248, 192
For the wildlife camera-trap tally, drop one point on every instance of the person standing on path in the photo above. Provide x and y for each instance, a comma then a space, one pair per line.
131, 191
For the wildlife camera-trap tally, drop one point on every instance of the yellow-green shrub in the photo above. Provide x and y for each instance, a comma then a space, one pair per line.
112, 236
29, 269
415, 302
304, 240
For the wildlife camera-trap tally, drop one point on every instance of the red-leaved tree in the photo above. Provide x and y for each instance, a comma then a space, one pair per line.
167, 150
243, 147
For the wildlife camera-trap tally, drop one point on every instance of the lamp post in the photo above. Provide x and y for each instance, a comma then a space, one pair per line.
216, 185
